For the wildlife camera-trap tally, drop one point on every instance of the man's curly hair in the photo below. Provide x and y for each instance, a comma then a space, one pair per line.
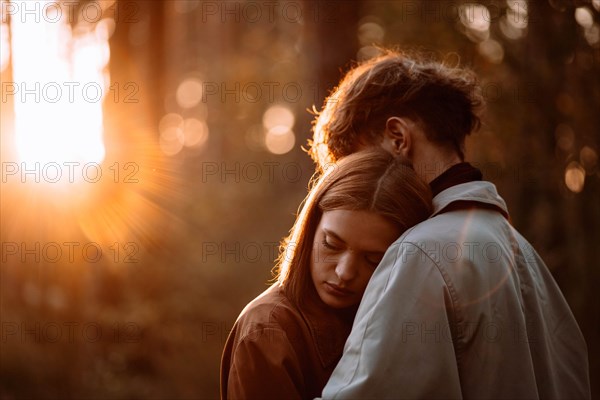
445, 100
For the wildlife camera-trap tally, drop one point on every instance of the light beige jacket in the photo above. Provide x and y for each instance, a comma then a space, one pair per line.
462, 306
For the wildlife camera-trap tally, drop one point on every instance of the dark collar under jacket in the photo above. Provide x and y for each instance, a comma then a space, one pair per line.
455, 175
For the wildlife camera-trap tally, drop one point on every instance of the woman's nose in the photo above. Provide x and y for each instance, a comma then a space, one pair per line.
347, 267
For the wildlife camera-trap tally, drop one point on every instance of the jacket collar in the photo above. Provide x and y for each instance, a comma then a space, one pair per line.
477, 192
455, 175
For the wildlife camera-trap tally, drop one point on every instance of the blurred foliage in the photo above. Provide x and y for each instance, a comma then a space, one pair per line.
206, 220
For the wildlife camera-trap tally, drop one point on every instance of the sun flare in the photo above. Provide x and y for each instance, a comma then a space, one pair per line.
58, 90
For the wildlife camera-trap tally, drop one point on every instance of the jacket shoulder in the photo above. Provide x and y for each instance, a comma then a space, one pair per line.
271, 310
459, 226
261, 348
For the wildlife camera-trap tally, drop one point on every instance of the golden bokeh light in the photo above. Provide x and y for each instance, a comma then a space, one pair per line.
509, 30
514, 23
584, 17
491, 50
517, 15
476, 20
367, 52
475, 16
189, 93
171, 140
565, 137
170, 120
175, 133
195, 132
574, 177
370, 33
592, 35
280, 139
278, 115
589, 159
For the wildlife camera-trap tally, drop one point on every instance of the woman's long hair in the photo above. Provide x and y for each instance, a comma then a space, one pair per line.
370, 180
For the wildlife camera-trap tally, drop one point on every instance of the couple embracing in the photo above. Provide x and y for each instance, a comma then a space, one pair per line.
402, 276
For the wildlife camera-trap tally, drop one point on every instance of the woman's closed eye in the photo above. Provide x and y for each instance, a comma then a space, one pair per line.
329, 245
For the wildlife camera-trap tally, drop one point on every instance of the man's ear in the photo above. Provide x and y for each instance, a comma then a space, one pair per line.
398, 136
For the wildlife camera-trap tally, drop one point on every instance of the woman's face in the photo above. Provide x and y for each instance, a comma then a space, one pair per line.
348, 247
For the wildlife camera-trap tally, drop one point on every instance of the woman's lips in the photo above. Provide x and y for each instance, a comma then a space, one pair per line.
335, 290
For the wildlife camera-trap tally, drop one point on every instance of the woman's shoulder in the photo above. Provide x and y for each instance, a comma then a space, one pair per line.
270, 310
265, 345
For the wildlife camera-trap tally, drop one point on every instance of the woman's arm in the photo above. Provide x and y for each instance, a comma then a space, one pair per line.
264, 365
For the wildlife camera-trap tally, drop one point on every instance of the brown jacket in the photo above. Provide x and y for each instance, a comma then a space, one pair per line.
277, 351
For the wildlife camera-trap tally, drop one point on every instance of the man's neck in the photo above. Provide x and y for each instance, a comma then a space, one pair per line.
431, 168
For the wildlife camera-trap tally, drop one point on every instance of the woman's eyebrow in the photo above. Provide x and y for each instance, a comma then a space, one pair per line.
333, 234
337, 237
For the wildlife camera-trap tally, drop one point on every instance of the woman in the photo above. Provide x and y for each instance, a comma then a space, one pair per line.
286, 342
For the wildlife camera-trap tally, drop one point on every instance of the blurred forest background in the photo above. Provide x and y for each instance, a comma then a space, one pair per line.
123, 282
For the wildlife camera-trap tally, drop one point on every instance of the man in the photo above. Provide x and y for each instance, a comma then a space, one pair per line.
461, 306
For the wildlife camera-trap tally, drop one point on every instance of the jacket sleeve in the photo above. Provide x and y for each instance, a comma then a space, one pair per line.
264, 365
401, 341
